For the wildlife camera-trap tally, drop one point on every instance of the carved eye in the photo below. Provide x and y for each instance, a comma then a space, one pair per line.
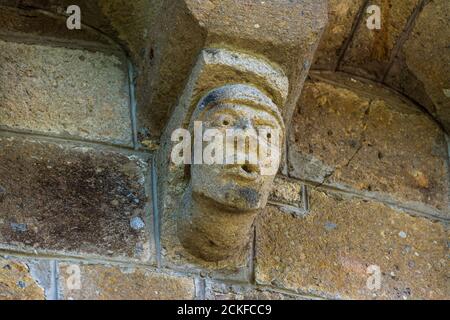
266, 132
224, 120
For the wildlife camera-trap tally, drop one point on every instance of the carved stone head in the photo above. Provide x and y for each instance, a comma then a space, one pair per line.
246, 128
232, 181
234, 107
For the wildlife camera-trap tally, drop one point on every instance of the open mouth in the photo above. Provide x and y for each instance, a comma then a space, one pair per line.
246, 171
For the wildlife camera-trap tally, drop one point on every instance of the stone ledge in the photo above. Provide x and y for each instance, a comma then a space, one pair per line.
222, 291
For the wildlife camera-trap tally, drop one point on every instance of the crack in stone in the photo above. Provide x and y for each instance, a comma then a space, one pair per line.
362, 139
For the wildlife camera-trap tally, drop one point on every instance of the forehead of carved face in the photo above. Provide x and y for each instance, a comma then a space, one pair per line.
240, 184
239, 116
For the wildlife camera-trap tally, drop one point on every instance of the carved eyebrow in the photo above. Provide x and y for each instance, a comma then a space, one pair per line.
228, 109
216, 107
224, 109
264, 122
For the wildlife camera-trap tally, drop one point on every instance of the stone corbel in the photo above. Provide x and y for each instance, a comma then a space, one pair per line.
241, 79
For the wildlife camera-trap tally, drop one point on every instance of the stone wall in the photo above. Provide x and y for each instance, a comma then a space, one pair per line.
365, 185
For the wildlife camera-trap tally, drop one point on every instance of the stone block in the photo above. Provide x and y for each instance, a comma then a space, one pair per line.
74, 199
370, 51
427, 80
33, 26
341, 17
18, 280
66, 92
361, 137
338, 249
102, 282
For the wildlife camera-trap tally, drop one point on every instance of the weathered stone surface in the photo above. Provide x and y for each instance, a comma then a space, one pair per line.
17, 281
127, 24
284, 32
66, 92
426, 80
34, 26
362, 137
73, 199
176, 257
286, 192
91, 13
215, 205
131, 22
328, 253
221, 291
219, 207
289, 196
342, 15
423, 68
370, 50
98, 282
63, 198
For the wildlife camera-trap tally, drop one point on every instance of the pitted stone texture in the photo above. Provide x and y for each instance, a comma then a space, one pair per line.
176, 257
124, 21
221, 291
328, 252
285, 32
217, 234
289, 196
359, 136
423, 69
285, 191
99, 282
17, 281
371, 50
342, 15
34, 26
73, 199
131, 21
65, 92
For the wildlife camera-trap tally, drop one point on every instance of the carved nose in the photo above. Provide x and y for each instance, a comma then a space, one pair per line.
246, 124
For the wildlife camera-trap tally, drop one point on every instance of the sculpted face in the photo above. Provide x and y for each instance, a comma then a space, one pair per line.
246, 122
